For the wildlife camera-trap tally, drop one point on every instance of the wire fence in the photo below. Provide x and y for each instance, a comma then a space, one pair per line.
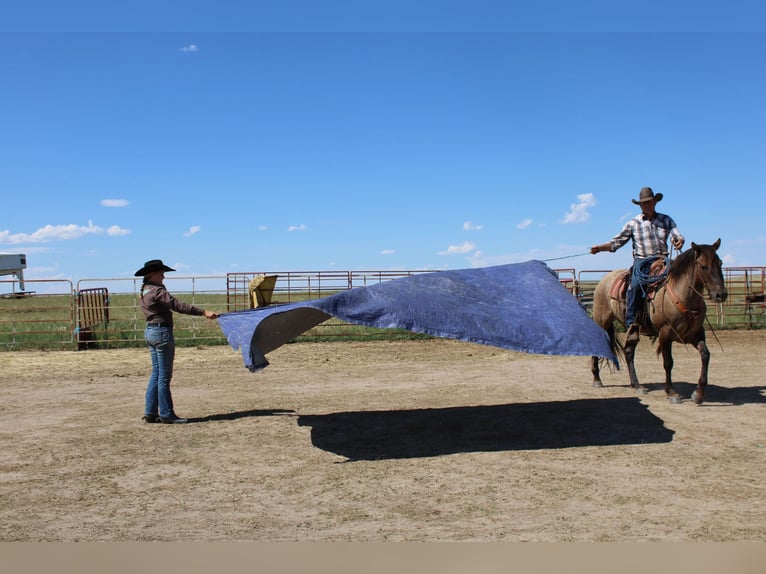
105, 312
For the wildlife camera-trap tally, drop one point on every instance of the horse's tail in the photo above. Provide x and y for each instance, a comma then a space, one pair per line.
616, 346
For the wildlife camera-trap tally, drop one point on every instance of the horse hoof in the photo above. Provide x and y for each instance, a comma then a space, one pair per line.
598, 384
697, 398
642, 391
675, 400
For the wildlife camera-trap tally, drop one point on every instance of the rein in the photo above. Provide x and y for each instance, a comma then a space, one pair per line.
679, 303
691, 313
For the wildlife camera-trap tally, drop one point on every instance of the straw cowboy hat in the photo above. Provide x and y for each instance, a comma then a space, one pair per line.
647, 195
152, 266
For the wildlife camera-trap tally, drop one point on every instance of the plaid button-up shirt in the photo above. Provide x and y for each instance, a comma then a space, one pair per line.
650, 236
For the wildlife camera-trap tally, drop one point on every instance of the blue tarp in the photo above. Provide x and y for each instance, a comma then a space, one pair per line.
520, 306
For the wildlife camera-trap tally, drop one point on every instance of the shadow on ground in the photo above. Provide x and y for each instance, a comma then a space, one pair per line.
241, 415
716, 394
374, 435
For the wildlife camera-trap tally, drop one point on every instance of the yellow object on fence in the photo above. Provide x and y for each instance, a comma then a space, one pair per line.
261, 289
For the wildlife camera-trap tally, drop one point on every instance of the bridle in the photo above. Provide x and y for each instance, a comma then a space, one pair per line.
676, 300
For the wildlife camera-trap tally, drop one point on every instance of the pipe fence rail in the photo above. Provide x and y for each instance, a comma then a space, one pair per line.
105, 312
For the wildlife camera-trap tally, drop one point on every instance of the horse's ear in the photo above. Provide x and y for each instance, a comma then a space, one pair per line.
717, 244
695, 247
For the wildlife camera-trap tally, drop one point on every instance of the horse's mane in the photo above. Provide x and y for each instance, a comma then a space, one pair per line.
682, 264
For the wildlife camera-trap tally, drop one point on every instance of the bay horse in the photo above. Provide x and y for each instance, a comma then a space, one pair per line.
675, 312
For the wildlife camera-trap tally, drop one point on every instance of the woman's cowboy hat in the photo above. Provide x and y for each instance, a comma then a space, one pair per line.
152, 266
647, 195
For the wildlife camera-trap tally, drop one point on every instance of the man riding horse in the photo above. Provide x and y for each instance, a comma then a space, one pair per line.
649, 232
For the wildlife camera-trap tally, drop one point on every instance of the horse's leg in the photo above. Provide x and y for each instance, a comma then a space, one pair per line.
596, 361
603, 316
594, 368
699, 394
631, 341
595, 365
666, 345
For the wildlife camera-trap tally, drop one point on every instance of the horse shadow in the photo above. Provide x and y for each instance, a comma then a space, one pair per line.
241, 415
375, 435
716, 394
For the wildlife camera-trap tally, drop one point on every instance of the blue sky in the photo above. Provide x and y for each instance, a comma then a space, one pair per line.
371, 135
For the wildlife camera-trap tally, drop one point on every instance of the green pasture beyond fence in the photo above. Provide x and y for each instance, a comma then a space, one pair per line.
104, 313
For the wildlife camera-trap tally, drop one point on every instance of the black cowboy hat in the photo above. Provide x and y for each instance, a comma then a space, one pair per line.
151, 266
647, 195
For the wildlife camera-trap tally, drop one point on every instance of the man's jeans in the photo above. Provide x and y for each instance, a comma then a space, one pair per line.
633, 298
162, 347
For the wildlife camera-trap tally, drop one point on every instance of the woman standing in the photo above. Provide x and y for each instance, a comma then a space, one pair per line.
158, 306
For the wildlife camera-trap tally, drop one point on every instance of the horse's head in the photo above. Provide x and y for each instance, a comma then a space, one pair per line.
708, 270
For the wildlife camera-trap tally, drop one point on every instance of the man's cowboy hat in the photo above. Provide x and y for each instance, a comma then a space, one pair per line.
152, 266
647, 195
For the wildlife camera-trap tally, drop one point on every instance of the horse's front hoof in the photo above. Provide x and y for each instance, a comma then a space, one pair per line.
642, 390
675, 400
598, 384
697, 398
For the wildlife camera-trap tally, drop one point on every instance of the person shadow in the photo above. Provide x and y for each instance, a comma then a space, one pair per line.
231, 416
375, 435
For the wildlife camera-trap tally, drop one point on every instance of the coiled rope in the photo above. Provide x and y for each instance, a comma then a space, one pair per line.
642, 271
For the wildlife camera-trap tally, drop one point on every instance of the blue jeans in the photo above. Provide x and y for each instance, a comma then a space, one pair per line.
162, 347
640, 272
634, 299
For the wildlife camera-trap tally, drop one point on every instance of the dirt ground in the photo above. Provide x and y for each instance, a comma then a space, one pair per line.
418, 440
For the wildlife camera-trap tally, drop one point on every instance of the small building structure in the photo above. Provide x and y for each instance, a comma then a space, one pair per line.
13, 264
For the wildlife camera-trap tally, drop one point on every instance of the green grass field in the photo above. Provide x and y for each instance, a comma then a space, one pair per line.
51, 322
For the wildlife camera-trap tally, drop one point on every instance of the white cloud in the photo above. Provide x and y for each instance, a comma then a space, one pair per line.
466, 247
578, 212
300, 227
192, 230
263, 228
524, 224
117, 231
13, 238
60, 233
115, 202
387, 252
51, 233
190, 48
471, 226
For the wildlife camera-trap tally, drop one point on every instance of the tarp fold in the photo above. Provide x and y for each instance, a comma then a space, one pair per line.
519, 306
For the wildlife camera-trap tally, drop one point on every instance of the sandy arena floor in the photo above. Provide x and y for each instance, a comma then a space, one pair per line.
422, 441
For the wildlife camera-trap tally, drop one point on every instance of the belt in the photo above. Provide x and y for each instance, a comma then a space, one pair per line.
157, 325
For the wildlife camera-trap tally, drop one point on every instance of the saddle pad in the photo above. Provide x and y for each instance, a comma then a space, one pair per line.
620, 287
